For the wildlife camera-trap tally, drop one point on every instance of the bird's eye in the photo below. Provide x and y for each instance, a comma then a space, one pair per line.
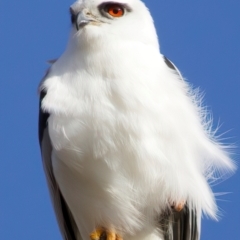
114, 10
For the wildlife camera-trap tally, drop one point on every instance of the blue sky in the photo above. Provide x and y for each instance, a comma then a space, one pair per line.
201, 37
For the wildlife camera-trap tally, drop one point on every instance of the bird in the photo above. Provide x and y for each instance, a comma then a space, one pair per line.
127, 146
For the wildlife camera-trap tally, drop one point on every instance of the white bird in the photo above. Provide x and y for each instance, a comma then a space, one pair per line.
127, 149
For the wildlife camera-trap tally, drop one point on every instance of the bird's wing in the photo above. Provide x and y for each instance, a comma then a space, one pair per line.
172, 66
183, 225
65, 220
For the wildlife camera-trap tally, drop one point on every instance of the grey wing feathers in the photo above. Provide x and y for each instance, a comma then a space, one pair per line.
172, 66
181, 225
63, 214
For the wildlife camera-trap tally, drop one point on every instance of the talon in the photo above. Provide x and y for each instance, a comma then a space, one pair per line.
103, 234
96, 234
178, 207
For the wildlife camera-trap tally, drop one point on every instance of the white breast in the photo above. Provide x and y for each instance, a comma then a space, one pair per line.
125, 142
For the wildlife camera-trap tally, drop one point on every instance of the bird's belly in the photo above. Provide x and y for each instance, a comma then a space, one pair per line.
102, 176
98, 196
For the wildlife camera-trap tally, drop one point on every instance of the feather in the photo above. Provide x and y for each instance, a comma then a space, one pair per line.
122, 134
64, 217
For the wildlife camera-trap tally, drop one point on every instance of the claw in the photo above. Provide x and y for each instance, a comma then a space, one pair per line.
96, 234
103, 234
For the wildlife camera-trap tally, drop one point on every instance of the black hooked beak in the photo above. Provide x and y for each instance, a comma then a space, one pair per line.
83, 18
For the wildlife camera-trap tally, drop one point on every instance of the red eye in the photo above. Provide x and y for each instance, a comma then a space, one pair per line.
115, 10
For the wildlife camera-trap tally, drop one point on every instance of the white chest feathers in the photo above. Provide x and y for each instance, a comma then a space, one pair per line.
138, 137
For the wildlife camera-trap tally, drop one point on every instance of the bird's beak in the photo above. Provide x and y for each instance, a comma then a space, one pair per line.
84, 18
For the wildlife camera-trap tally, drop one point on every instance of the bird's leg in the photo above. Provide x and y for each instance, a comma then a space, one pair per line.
178, 206
104, 234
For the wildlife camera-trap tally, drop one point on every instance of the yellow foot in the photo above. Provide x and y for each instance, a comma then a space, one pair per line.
104, 234
179, 206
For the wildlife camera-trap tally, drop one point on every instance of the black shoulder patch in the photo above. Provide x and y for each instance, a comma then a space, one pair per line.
169, 63
42, 118
173, 67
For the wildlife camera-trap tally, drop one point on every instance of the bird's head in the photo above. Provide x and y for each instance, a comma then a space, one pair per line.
97, 21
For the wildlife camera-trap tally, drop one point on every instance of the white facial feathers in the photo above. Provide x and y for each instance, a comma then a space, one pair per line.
136, 24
